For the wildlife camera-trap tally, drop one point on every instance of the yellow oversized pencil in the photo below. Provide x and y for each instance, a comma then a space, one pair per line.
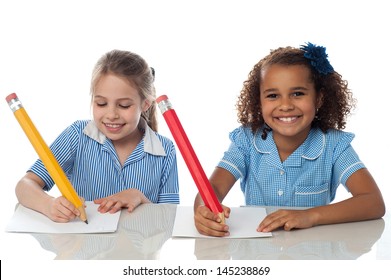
45, 154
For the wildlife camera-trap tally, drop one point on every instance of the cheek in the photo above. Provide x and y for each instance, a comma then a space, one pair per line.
310, 109
97, 112
132, 115
265, 109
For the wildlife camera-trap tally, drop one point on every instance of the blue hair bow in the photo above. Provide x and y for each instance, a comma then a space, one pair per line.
318, 58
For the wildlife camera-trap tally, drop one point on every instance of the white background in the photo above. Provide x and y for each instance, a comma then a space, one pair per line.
202, 52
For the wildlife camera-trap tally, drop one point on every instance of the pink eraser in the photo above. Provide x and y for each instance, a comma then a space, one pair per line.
10, 97
161, 98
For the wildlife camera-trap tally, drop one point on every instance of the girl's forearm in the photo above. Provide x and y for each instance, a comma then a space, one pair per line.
31, 195
357, 208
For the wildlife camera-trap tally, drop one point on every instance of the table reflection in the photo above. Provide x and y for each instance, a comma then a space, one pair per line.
146, 234
340, 241
140, 235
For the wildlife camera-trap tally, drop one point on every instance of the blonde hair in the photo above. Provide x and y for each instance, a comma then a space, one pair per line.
133, 68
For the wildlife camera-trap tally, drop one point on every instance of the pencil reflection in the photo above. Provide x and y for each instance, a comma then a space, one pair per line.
346, 241
140, 235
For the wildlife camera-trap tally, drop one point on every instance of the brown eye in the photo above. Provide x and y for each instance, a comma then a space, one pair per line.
271, 96
298, 93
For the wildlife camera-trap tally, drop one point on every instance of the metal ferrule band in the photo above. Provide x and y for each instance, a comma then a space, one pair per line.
165, 105
15, 104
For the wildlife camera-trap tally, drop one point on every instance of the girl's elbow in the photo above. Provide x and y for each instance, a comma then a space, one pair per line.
379, 210
382, 211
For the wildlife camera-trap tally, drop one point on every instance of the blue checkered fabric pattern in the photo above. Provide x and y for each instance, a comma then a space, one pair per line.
309, 177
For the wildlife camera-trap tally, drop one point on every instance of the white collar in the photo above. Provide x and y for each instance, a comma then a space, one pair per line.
152, 144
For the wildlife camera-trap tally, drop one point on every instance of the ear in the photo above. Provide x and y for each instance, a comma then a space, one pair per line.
319, 99
146, 104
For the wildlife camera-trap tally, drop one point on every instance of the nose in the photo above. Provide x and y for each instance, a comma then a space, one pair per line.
112, 113
286, 104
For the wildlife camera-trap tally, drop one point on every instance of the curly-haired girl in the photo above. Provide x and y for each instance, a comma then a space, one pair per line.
290, 149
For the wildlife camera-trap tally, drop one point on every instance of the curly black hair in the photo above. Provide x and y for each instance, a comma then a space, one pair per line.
338, 101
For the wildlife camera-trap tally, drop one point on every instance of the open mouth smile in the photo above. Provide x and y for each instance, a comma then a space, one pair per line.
113, 127
287, 119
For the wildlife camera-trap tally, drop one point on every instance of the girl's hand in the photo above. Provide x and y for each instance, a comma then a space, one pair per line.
208, 223
130, 198
287, 219
61, 210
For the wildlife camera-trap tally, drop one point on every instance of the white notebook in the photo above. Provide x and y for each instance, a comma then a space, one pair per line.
243, 222
27, 220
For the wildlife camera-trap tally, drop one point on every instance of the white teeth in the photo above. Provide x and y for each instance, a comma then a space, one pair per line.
112, 125
288, 119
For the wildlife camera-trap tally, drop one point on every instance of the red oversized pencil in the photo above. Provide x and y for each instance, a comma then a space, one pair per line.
204, 187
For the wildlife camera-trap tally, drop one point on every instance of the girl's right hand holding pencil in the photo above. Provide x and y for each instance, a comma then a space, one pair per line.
209, 223
30, 194
61, 210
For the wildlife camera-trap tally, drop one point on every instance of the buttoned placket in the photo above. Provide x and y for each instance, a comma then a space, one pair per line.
280, 192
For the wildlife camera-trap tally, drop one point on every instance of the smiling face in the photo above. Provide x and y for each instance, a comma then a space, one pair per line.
288, 101
117, 108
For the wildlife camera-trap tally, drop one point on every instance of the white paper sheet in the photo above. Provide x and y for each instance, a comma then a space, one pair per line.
243, 222
27, 220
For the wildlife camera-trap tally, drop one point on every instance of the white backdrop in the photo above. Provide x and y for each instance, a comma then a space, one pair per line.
202, 52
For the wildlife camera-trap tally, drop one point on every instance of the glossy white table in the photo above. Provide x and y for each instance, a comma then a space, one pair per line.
145, 234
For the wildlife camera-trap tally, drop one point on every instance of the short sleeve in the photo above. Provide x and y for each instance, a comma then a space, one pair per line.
236, 157
169, 189
346, 159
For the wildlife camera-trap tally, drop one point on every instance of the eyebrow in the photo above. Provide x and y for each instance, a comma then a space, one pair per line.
120, 99
299, 88
271, 90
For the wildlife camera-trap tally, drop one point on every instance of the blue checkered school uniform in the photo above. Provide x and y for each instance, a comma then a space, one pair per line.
309, 177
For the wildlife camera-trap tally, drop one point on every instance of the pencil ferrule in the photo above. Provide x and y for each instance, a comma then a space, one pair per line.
165, 105
15, 105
